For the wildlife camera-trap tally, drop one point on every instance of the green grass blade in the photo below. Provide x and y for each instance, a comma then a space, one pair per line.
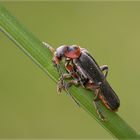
33, 48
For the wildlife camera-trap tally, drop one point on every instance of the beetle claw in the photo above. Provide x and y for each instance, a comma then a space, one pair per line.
60, 85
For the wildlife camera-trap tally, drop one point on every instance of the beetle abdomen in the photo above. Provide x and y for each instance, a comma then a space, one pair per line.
109, 96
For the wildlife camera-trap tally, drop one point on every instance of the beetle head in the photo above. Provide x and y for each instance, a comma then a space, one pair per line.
72, 51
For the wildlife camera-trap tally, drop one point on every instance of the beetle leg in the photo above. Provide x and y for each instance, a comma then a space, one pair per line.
96, 97
91, 85
68, 85
97, 91
104, 68
96, 104
96, 101
72, 82
71, 69
61, 83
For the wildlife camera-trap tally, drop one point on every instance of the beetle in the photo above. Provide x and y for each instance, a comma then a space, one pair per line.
86, 72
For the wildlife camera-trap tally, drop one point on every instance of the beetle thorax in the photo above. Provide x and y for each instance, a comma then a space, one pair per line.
73, 52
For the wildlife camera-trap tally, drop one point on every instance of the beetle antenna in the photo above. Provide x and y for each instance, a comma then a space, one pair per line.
49, 47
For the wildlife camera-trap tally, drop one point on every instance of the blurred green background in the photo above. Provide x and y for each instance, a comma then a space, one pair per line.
29, 104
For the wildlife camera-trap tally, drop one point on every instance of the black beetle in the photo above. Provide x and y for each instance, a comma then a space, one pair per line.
86, 72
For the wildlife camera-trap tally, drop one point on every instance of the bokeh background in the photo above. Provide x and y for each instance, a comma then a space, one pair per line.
29, 104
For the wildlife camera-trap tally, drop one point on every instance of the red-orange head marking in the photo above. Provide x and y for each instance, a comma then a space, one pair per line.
72, 51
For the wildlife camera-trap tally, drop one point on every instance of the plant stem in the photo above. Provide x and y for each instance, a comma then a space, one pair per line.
33, 48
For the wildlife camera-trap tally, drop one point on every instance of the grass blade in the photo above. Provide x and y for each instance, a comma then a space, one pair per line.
33, 48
